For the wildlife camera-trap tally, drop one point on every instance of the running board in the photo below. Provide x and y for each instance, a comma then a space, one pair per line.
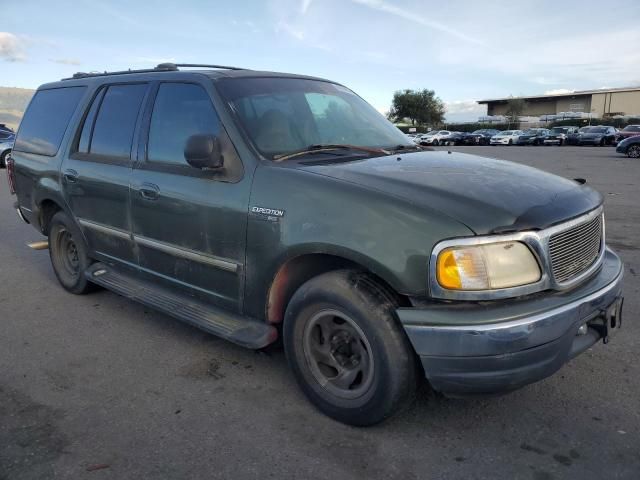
235, 328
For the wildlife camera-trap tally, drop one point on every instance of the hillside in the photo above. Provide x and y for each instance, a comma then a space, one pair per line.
13, 102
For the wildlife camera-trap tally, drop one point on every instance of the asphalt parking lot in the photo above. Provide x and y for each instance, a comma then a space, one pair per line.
99, 387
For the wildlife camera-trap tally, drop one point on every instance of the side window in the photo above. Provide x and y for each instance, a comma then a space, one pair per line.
46, 120
89, 122
180, 111
116, 120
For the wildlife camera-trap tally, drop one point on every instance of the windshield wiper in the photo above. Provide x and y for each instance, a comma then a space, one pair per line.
403, 147
328, 147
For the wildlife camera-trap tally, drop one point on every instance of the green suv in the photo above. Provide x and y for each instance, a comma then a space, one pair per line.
261, 206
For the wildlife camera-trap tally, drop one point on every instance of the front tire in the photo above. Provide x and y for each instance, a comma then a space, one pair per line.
69, 254
346, 349
633, 151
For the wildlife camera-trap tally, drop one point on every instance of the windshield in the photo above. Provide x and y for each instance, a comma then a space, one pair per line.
632, 128
285, 115
595, 130
559, 130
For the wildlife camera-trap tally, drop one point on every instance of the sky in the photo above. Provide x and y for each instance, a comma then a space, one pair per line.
464, 50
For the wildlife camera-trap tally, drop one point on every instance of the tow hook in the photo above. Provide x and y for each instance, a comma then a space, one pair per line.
610, 320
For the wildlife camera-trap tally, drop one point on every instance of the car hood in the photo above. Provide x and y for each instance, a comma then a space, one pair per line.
486, 195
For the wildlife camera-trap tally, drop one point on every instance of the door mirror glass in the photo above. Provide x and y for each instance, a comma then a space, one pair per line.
204, 152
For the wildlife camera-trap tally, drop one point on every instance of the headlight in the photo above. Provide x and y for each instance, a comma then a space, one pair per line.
486, 267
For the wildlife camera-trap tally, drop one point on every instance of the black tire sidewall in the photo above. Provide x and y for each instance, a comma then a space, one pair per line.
79, 284
394, 362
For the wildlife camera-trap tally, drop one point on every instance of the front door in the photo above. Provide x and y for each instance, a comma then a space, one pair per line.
189, 225
97, 172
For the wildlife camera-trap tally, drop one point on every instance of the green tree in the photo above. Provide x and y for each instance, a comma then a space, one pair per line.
421, 107
515, 107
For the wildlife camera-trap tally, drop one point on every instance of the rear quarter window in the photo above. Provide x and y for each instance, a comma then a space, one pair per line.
46, 120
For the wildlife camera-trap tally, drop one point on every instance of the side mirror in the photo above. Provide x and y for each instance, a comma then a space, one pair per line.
204, 152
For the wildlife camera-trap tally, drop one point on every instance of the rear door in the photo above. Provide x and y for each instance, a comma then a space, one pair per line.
97, 173
189, 225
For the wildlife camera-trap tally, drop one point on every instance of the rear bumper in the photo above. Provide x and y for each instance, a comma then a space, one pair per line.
487, 348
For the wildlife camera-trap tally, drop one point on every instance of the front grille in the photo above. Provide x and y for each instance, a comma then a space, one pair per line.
574, 250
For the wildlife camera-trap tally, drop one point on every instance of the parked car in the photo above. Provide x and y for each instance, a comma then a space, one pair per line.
6, 144
218, 196
532, 136
5, 129
480, 137
628, 131
422, 139
454, 138
574, 138
435, 138
507, 137
630, 146
558, 135
598, 135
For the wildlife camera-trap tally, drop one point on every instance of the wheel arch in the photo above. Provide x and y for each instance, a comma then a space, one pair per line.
298, 269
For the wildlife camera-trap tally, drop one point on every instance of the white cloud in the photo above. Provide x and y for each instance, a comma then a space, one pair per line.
558, 91
464, 110
305, 6
288, 28
66, 61
412, 16
12, 48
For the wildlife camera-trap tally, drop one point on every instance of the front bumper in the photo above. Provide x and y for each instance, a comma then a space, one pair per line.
621, 149
482, 348
589, 141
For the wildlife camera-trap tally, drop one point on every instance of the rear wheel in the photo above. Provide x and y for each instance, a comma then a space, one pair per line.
68, 254
346, 349
3, 158
633, 151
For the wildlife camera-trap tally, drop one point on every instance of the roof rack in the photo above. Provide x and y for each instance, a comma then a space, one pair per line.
162, 67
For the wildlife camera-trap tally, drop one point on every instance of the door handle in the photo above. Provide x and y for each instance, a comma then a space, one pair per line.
71, 176
149, 191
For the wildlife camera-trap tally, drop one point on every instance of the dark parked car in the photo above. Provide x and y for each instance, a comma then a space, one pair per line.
559, 135
5, 129
532, 136
258, 205
630, 147
599, 135
628, 131
480, 137
454, 138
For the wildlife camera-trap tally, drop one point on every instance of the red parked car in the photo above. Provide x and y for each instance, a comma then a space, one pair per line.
628, 131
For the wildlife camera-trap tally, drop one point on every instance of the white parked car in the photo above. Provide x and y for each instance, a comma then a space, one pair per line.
6, 144
507, 137
435, 138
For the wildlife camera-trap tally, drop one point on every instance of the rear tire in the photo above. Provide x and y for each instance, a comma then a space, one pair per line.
346, 349
3, 158
69, 254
